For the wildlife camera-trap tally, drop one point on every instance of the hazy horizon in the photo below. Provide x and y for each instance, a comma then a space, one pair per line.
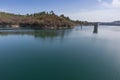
86, 10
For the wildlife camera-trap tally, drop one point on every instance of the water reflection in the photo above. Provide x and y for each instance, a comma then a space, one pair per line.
37, 33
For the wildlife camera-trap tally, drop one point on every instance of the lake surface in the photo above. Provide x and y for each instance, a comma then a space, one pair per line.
72, 54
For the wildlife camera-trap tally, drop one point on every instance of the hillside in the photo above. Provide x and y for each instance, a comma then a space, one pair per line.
37, 20
41, 20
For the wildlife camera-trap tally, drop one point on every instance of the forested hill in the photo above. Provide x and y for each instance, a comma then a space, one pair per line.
37, 20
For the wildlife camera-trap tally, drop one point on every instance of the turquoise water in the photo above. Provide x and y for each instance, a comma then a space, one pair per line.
72, 54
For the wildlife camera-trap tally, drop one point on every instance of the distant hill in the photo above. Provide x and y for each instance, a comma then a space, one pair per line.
117, 22
114, 23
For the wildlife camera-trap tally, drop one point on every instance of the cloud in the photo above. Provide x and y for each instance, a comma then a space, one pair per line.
116, 3
4, 10
112, 4
106, 12
106, 15
99, 1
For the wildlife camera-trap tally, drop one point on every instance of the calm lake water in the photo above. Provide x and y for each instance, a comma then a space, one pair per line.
72, 54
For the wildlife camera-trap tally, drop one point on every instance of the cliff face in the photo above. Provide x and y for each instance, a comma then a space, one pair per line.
37, 20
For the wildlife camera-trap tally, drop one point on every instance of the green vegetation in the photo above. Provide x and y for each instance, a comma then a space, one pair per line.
43, 20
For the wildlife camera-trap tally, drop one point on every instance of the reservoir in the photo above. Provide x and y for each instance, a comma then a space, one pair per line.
71, 54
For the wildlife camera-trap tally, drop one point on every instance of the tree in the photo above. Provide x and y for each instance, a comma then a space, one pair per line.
42, 13
62, 16
52, 13
27, 15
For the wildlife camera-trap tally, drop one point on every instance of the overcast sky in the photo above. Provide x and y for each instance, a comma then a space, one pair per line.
89, 10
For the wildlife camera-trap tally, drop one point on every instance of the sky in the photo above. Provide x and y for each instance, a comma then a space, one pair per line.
85, 10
